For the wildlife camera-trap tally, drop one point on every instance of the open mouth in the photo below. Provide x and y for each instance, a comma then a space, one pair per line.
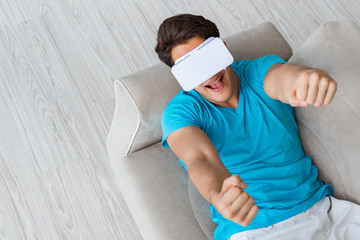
217, 84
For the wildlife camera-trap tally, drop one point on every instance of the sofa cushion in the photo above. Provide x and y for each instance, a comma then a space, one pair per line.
331, 134
155, 186
141, 97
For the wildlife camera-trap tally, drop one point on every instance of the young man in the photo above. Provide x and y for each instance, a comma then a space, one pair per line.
237, 137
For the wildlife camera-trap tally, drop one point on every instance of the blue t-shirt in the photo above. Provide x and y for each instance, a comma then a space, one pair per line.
259, 141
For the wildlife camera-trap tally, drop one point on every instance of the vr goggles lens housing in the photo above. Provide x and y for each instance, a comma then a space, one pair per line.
201, 63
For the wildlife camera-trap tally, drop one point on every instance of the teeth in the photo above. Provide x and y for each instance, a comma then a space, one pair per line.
216, 81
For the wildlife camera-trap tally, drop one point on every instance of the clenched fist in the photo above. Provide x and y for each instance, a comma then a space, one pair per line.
235, 204
312, 86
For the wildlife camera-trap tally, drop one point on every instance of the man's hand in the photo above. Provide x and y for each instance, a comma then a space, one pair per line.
312, 86
299, 85
235, 204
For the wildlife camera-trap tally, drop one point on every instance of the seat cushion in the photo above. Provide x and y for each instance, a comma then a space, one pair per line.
331, 134
155, 186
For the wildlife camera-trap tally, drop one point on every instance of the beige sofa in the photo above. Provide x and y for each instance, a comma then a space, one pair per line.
159, 194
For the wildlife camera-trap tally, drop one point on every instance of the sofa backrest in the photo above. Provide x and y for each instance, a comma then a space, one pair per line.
141, 97
331, 134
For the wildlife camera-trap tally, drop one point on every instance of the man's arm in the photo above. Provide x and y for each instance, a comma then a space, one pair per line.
299, 85
210, 176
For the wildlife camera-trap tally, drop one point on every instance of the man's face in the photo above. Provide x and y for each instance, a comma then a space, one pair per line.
222, 88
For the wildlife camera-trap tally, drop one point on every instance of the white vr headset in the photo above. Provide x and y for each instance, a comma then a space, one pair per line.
201, 63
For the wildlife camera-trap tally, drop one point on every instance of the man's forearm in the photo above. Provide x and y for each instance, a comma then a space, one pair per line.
299, 85
279, 80
208, 178
211, 178
224, 192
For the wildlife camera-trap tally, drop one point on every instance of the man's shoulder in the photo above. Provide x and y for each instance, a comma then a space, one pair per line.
183, 110
260, 61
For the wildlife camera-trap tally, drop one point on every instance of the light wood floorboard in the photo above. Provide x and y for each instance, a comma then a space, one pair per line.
58, 61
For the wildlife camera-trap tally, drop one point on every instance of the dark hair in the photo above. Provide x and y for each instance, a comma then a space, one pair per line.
180, 28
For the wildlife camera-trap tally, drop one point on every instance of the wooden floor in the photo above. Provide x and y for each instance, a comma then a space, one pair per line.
59, 59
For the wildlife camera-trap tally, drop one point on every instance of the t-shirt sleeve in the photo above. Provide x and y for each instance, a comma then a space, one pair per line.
255, 70
178, 114
263, 64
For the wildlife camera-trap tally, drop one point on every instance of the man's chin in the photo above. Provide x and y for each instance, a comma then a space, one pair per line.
215, 97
